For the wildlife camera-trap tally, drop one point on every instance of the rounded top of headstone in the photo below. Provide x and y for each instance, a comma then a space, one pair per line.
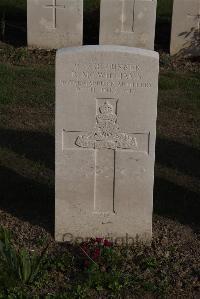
108, 49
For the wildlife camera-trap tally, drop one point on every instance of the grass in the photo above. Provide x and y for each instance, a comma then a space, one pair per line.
17, 266
38, 79
95, 269
27, 164
164, 8
170, 266
186, 86
14, 9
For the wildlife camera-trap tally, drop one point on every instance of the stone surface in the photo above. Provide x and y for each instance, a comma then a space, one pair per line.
106, 107
54, 24
185, 34
128, 23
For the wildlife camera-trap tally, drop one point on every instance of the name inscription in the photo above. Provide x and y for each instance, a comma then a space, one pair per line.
106, 78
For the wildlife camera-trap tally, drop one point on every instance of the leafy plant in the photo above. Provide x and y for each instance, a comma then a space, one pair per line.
102, 266
150, 263
5, 236
20, 266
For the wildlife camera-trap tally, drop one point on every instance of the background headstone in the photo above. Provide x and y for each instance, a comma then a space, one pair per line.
54, 24
185, 34
128, 22
106, 107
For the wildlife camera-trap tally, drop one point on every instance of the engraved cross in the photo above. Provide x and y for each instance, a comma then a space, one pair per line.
54, 6
106, 140
128, 16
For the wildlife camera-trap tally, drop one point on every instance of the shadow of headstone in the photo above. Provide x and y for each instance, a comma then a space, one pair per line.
177, 199
13, 25
91, 23
27, 199
163, 25
26, 195
35, 146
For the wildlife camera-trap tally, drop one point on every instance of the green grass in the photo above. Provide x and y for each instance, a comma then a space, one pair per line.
164, 8
31, 85
11, 4
182, 90
27, 187
13, 9
27, 99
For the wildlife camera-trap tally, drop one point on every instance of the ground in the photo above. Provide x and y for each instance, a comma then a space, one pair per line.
170, 266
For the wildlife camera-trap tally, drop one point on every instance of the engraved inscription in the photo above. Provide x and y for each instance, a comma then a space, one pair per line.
107, 78
128, 15
106, 133
54, 6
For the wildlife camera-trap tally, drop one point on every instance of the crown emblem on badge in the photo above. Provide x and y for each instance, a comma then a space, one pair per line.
106, 133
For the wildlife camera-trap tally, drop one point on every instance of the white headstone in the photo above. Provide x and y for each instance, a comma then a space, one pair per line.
53, 24
106, 107
185, 34
128, 23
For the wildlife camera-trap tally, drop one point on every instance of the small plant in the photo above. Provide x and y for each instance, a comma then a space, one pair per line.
5, 236
150, 263
94, 250
101, 264
18, 266
61, 263
81, 292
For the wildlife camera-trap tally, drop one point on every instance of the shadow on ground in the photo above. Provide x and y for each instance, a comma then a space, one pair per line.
176, 202
178, 156
162, 35
91, 27
179, 202
13, 26
32, 201
23, 197
27, 199
35, 146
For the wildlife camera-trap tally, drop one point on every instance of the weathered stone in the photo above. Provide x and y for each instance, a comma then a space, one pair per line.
185, 34
106, 106
54, 24
128, 23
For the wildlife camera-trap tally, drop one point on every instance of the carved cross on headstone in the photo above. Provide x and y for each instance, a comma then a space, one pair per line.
105, 140
128, 16
54, 6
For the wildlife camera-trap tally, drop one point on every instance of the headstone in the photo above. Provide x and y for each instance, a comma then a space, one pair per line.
185, 34
106, 106
54, 24
128, 23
